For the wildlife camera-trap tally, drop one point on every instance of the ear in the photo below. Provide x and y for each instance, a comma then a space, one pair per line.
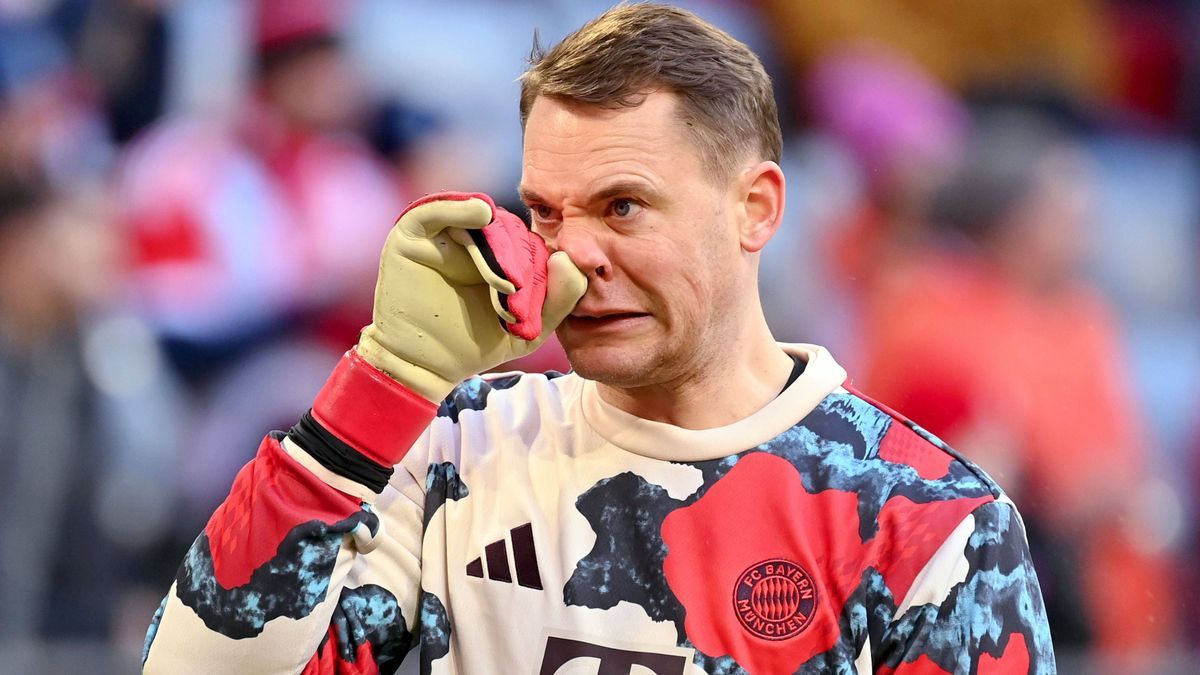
763, 193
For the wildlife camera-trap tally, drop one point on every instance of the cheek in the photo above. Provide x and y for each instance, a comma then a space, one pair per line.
687, 286
687, 278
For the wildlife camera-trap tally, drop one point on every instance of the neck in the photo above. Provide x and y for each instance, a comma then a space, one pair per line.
718, 390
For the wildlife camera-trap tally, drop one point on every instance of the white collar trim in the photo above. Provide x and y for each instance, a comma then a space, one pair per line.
821, 377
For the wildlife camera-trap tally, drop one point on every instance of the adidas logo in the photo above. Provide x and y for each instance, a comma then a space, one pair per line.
524, 554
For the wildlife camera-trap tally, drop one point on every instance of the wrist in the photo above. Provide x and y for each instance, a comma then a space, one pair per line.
369, 411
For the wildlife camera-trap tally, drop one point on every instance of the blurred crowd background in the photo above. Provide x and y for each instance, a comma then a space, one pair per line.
992, 222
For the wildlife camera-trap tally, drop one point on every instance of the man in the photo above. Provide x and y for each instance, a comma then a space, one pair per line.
694, 497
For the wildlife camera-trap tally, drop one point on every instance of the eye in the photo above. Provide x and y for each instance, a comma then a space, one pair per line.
623, 208
542, 211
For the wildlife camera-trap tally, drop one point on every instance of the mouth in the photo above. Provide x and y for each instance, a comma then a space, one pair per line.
598, 322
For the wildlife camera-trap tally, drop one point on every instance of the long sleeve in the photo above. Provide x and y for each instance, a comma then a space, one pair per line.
976, 607
303, 568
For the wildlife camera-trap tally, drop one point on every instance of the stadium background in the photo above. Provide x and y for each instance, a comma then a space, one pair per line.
992, 222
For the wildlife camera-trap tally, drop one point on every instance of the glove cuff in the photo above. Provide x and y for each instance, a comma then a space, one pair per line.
371, 412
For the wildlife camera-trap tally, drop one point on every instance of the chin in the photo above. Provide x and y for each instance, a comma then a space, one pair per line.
616, 367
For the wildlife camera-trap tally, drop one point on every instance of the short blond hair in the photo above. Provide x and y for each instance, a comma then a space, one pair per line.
615, 60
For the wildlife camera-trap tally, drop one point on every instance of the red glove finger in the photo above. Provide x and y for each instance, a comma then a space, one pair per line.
517, 254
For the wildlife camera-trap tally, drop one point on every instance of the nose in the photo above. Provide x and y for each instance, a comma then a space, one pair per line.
585, 247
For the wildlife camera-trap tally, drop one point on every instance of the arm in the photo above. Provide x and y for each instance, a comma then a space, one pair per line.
976, 607
275, 584
282, 544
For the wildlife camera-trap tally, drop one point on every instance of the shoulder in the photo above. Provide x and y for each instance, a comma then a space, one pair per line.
504, 390
886, 442
896, 481
487, 415
914, 495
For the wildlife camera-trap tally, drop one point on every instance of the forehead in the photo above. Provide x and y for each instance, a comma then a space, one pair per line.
571, 149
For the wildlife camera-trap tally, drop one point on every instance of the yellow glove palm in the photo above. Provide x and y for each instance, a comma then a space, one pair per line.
439, 306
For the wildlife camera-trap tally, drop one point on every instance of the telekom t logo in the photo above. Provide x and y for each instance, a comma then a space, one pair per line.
560, 651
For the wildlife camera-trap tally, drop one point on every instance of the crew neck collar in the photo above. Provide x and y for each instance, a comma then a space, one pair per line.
822, 376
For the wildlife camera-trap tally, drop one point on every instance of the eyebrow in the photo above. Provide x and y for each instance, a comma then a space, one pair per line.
626, 187
622, 187
528, 196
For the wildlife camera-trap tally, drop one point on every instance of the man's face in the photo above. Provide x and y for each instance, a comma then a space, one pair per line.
625, 194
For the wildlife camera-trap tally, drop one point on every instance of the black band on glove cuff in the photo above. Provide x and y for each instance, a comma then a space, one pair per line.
339, 457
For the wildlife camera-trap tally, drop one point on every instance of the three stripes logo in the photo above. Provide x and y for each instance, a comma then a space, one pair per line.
524, 556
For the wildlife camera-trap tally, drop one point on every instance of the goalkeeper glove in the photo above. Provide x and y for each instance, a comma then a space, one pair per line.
463, 286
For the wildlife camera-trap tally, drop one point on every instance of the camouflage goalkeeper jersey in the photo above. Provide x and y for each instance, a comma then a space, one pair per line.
533, 528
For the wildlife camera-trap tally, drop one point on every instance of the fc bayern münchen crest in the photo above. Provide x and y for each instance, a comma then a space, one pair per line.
775, 599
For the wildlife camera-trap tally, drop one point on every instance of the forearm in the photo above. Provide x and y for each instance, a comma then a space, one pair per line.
283, 542
273, 549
